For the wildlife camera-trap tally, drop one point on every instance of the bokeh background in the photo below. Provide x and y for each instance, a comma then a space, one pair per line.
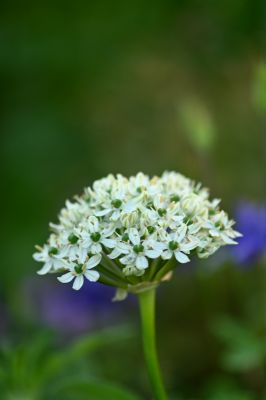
90, 88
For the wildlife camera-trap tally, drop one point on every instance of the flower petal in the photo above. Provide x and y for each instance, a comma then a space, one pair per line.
166, 255
130, 206
182, 232
108, 230
82, 255
93, 261
39, 256
123, 247
58, 264
66, 277
181, 257
101, 213
45, 269
227, 239
78, 282
142, 262
115, 216
127, 259
115, 253
108, 243
153, 253
189, 246
96, 248
92, 276
133, 235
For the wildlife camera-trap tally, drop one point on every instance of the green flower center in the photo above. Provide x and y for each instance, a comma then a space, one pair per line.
149, 204
188, 220
96, 236
116, 203
175, 198
151, 229
138, 248
162, 212
53, 251
173, 245
125, 237
79, 268
73, 238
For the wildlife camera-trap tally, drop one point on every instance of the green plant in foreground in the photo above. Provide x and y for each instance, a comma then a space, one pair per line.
36, 370
131, 234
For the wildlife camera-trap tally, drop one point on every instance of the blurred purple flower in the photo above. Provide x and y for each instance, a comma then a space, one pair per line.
72, 312
251, 222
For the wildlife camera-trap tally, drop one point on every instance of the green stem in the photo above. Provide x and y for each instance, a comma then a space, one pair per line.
167, 267
110, 279
112, 266
153, 268
147, 311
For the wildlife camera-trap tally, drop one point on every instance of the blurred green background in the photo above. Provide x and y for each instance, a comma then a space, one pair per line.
91, 88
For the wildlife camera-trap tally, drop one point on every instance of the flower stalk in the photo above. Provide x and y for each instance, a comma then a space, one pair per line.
147, 311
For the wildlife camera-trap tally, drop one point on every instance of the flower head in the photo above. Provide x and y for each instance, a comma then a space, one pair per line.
128, 232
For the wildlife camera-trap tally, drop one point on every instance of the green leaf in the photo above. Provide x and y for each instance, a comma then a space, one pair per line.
20, 364
222, 389
83, 346
244, 348
93, 389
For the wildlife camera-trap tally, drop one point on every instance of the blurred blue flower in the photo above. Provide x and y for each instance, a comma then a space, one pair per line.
69, 312
251, 222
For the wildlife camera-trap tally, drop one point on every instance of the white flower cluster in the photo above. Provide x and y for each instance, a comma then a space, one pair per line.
124, 230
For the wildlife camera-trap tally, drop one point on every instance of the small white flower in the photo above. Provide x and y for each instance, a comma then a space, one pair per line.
221, 227
51, 257
176, 246
120, 248
93, 237
117, 206
69, 242
140, 251
78, 271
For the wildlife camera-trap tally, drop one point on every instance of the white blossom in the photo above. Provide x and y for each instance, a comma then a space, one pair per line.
81, 270
117, 229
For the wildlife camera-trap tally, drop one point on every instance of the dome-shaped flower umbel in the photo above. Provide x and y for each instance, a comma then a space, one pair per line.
126, 232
